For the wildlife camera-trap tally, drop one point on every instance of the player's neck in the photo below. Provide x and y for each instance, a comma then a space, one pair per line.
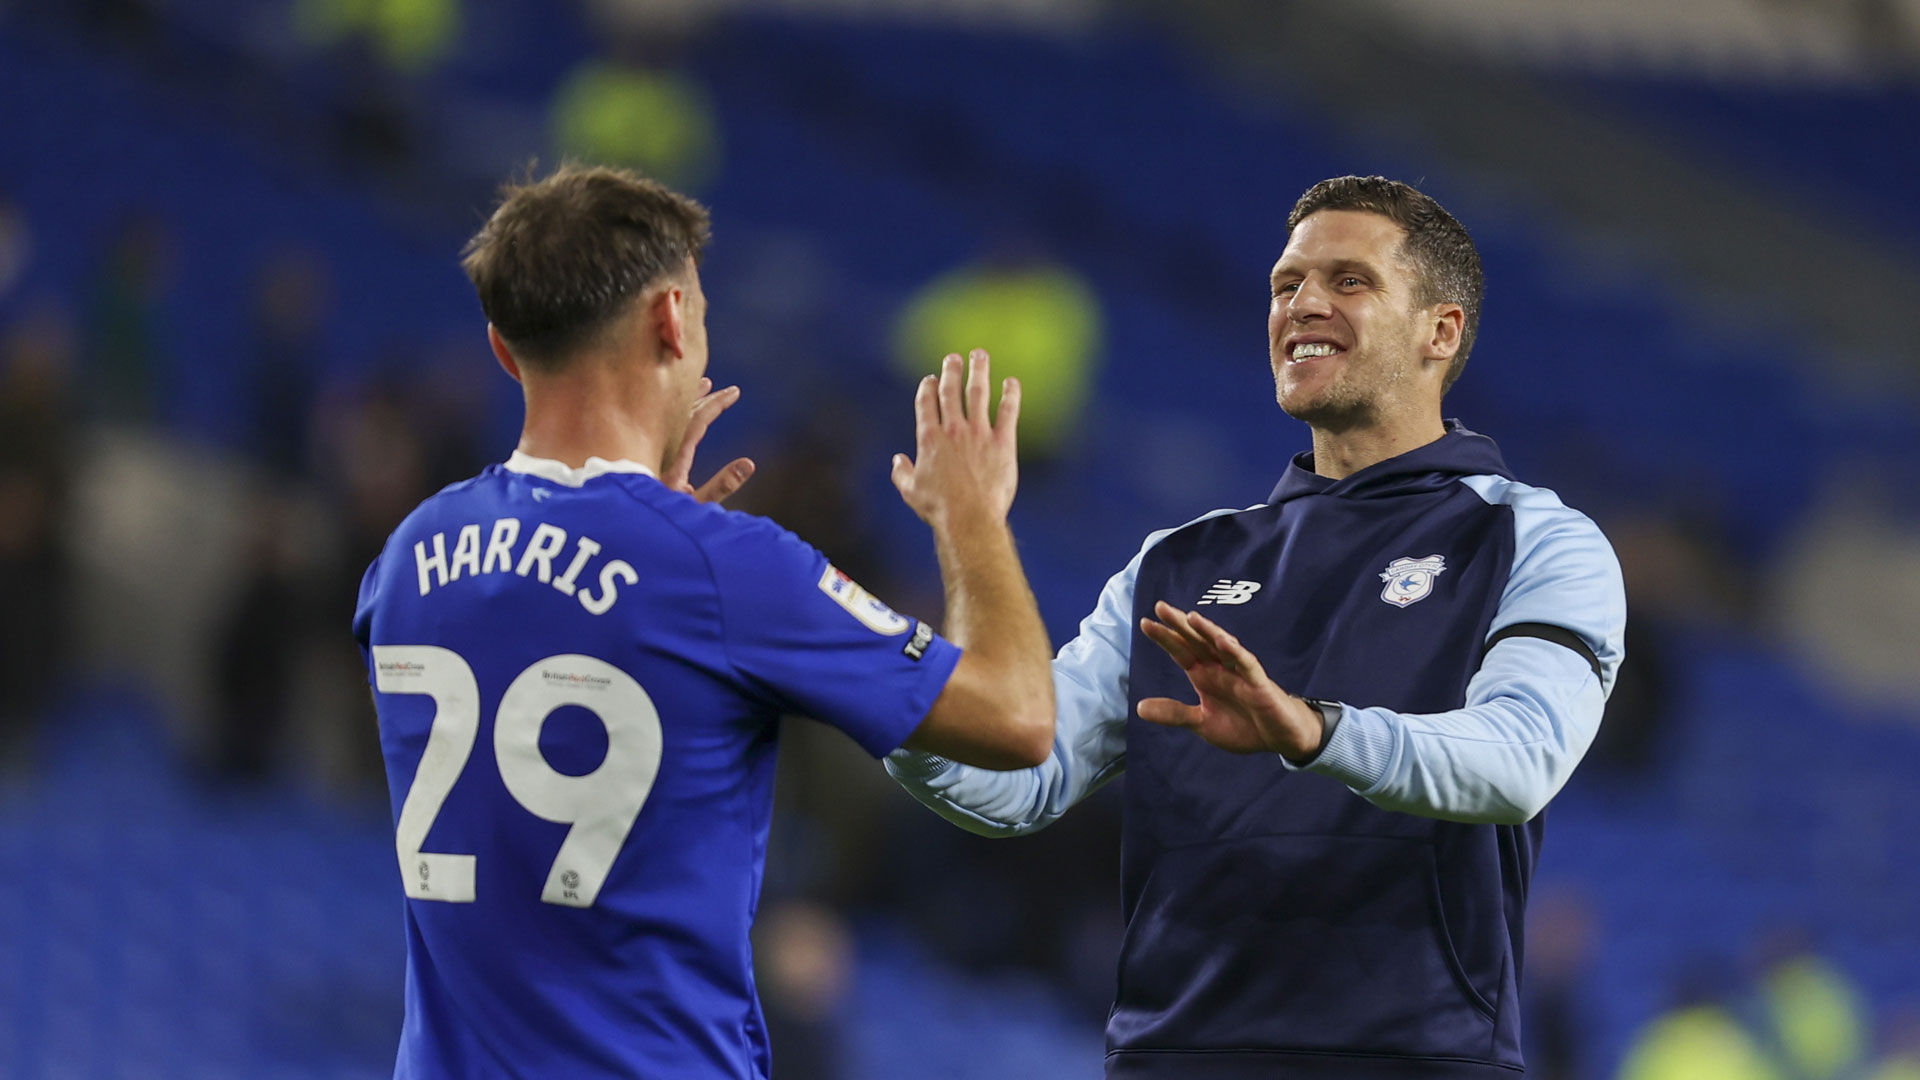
573, 418
1340, 454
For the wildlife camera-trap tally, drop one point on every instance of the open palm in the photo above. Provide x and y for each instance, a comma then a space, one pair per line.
1241, 710
678, 476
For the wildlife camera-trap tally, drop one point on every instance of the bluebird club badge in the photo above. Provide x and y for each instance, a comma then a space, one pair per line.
1409, 581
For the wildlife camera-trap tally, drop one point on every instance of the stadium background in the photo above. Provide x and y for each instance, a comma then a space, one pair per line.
235, 348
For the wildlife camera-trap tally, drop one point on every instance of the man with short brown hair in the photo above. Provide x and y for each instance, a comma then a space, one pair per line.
1393, 664
580, 662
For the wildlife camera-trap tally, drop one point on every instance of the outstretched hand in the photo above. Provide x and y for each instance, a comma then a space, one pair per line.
728, 480
1241, 710
964, 462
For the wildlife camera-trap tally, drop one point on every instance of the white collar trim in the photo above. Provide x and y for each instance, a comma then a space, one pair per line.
561, 473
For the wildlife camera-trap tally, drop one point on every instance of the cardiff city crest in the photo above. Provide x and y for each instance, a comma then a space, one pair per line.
1410, 580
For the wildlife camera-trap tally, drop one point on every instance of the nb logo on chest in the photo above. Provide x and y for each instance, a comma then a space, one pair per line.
1227, 591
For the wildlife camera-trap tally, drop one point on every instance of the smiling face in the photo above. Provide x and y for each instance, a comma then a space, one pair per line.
1349, 344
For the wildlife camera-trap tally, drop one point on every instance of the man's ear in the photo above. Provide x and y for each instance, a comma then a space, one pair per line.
667, 315
1443, 342
502, 353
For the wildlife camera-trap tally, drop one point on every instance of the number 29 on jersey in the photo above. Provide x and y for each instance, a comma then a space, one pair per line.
599, 806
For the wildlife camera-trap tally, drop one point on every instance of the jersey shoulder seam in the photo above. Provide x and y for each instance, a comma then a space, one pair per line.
1513, 492
1224, 511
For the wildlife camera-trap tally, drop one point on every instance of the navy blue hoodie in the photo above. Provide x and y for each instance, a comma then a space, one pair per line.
1361, 914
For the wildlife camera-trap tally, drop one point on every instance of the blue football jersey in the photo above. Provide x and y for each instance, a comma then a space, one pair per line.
578, 674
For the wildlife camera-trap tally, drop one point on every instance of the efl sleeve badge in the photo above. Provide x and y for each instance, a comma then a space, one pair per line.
862, 604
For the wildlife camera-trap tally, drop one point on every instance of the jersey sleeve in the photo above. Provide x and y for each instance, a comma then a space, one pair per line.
363, 608
811, 640
1534, 706
1565, 576
1532, 711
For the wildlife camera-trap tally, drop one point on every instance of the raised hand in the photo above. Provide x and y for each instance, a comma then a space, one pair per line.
963, 463
728, 480
1241, 710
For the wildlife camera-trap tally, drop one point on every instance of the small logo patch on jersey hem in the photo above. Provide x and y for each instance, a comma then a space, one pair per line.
916, 646
1410, 581
862, 604
1228, 591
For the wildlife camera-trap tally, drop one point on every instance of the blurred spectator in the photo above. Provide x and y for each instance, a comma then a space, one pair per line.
375, 467
804, 484
1045, 905
1068, 923
1808, 1013
655, 120
1678, 569
409, 35
1639, 712
36, 449
1559, 944
286, 667
374, 132
372, 107
1848, 591
1802, 1020
290, 307
125, 322
1679, 575
1657, 563
1040, 321
447, 396
258, 655
805, 956
16, 245
1700, 1039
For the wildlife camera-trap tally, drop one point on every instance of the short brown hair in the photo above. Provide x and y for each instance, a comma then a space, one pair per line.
1438, 247
560, 257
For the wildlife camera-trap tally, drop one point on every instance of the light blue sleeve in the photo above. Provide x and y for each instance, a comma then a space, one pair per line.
1089, 735
1534, 706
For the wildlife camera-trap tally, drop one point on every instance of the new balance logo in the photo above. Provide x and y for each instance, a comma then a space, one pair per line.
1230, 592
541, 494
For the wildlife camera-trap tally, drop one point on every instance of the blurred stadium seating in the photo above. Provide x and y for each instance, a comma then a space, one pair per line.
158, 923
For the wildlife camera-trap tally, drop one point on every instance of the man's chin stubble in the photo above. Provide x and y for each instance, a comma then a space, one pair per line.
1334, 417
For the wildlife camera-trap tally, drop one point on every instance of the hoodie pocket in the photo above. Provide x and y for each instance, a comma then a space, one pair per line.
1325, 943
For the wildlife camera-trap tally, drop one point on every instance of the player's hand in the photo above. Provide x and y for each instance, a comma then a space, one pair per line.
963, 463
1241, 709
728, 480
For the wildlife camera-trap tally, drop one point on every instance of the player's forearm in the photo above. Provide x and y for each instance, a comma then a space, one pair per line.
1531, 713
992, 614
986, 802
990, 607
